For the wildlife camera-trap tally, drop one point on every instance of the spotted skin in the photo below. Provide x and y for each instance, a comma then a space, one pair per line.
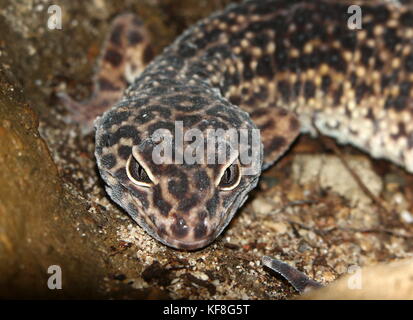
284, 67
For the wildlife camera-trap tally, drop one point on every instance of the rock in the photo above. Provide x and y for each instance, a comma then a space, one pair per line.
37, 217
383, 281
262, 206
329, 173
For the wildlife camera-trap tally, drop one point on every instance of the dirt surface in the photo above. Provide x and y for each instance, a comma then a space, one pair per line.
308, 210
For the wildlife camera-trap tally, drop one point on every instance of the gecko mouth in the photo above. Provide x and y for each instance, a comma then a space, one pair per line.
189, 245
195, 237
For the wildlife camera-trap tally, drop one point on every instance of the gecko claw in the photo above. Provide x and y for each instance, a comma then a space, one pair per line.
297, 279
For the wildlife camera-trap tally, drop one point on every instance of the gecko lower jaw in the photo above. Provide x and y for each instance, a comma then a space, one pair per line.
188, 245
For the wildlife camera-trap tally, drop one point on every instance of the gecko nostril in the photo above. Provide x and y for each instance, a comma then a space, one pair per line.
179, 228
161, 230
200, 230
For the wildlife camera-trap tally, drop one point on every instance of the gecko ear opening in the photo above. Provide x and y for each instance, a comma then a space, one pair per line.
137, 173
231, 177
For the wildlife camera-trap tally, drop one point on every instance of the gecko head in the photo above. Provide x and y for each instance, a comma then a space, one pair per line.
180, 176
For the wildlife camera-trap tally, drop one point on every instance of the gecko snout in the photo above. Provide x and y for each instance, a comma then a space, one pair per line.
190, 231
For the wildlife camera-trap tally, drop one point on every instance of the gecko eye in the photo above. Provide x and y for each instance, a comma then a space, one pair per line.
231, 177
136, 173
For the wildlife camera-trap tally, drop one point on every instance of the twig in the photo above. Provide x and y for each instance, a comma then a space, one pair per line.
330, 144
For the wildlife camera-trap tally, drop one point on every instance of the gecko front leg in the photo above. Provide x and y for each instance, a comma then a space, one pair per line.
125, 54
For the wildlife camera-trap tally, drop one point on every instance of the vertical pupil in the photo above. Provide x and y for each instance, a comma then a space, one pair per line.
138, 172
139, 169
228, 174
